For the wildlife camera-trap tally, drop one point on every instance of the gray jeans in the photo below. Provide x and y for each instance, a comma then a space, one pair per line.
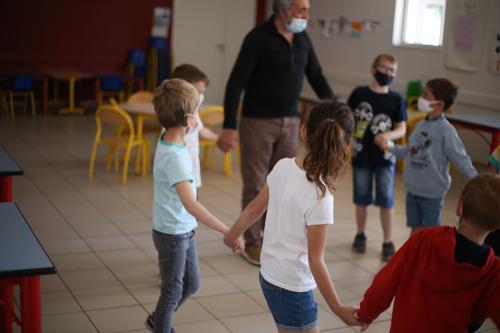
263, 142
180, 278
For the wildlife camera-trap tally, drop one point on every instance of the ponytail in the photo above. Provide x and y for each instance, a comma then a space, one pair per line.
329, 131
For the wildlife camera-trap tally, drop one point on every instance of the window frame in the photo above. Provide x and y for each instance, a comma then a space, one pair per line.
400, 26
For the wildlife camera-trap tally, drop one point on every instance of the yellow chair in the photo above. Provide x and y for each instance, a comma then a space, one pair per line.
212, 117
116, 121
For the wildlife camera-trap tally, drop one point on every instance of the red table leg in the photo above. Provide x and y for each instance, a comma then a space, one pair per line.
495, 140
31, 313
5, 188
7, 298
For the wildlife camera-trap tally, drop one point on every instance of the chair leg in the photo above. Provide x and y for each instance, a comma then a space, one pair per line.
117, 159
213, 156
126, 161
4, 103
139, 157
33, 106
109, 157
227, 164
11, 100
92, 160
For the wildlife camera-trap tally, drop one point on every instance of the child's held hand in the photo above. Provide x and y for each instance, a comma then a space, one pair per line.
347, 315
380, 140
234, 242
364, 326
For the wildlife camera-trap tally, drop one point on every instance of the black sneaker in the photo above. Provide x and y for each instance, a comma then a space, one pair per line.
388, 250
359, 244
150, 322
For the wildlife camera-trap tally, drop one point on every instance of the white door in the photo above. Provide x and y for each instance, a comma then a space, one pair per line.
208, 34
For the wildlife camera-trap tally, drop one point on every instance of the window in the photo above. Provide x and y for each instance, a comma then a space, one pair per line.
419, 23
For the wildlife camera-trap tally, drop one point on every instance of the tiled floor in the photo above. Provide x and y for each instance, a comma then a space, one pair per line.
98, 234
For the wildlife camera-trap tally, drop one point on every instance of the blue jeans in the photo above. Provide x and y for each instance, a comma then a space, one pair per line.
423, 212
384, 186
180, 278
292, 311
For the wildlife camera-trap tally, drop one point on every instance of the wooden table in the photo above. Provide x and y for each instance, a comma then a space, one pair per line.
22, 261
8, 168
484, 121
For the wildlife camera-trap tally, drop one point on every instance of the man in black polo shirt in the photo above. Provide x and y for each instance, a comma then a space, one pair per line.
270, 68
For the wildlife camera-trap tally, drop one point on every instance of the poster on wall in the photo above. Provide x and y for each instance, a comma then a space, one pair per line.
465, 34
161, 19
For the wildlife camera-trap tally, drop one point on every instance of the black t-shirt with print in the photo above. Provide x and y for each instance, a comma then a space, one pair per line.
374, 113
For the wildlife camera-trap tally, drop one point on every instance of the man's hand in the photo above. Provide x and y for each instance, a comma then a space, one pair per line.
381, 141
228, 138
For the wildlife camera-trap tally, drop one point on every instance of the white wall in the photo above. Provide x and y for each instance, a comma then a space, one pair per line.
346, 60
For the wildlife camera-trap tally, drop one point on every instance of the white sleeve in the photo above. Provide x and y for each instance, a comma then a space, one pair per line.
320, 211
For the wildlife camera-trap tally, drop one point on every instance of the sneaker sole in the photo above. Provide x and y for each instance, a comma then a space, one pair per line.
247, 258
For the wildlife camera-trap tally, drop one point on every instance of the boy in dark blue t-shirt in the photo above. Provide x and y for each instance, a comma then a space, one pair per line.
380, 117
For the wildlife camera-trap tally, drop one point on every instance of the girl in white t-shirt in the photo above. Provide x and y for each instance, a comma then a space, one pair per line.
299, 202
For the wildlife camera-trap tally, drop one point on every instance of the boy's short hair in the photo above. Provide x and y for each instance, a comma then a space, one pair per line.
384, 57
190, 73
173, 99
481, 201
443, 90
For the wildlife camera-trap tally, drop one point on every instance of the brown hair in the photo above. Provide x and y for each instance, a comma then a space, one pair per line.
190, 73
173, 99
443, 90
329, 127
381, 57
481, 201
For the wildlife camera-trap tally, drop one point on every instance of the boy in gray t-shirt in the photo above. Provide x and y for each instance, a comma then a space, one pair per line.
432, 145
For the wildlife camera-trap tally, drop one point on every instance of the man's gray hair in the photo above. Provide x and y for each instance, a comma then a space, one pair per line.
278, 3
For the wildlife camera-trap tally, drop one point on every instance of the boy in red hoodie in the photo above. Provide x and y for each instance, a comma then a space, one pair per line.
444, 279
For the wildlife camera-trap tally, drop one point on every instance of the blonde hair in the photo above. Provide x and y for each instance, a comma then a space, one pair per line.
384, 57
481, 201
173, 99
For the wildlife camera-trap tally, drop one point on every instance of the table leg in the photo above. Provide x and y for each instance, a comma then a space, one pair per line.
31, 314
7, 298
5, 188
71, 96
45, 99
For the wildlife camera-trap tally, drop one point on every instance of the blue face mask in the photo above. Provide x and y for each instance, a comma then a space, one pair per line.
383, 79
296, 25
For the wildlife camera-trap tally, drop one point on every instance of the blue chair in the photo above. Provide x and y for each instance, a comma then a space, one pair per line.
110, 86
22, 86
136, 67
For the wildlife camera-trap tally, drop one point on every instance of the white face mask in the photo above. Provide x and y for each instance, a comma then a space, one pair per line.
424, 105
296, 25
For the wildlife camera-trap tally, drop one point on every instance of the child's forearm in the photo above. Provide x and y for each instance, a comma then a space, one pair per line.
207, 134
205, 217
325, 284
398, 132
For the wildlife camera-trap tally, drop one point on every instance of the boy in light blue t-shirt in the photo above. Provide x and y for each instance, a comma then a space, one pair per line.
175, 209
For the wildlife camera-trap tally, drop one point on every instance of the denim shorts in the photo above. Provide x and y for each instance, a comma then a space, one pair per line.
384, 186
293, 311
423, 212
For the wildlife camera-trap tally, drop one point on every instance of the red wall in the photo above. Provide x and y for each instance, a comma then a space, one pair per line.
87, 35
